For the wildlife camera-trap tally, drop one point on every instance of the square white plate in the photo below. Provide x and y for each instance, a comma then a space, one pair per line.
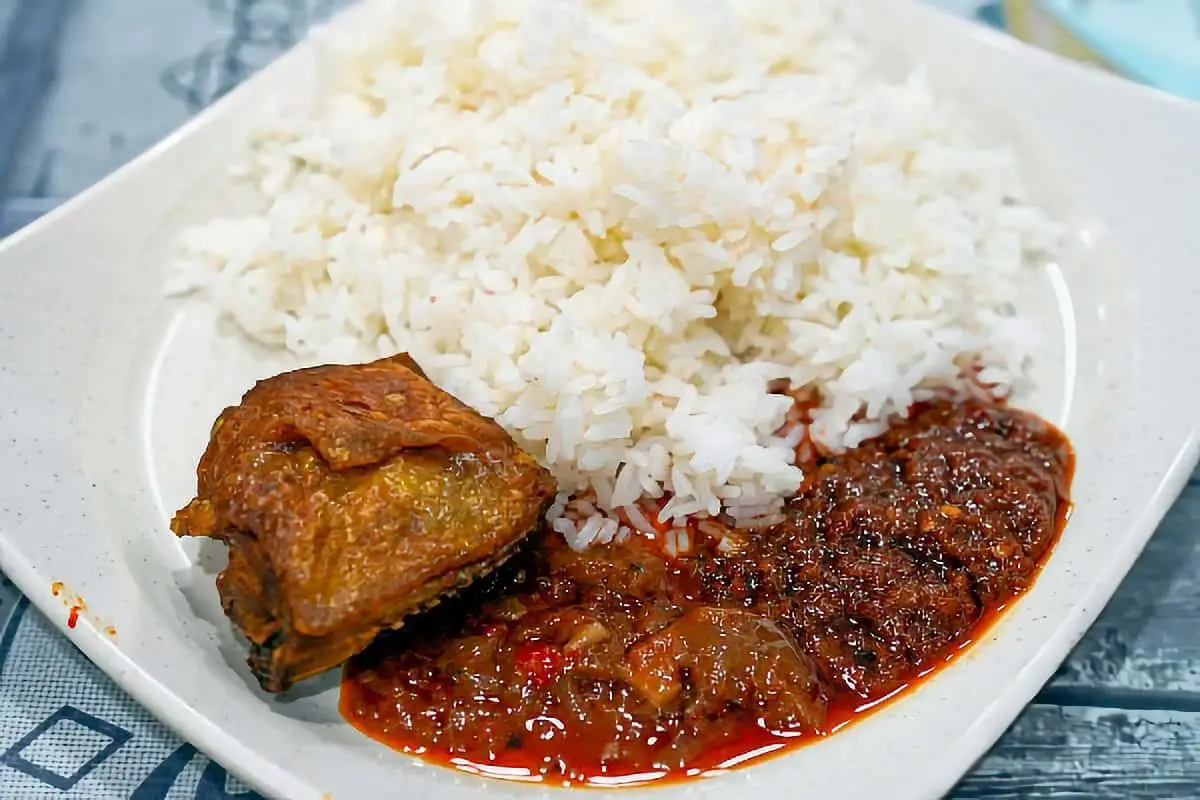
107, 391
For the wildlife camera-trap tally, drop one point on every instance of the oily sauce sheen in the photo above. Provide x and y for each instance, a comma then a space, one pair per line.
621, 665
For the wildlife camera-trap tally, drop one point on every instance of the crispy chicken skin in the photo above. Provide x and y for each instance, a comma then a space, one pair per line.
350, 498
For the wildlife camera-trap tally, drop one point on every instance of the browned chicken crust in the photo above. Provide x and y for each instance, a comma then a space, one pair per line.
351, 497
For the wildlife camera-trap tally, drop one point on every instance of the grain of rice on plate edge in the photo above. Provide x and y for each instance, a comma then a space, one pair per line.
612, 224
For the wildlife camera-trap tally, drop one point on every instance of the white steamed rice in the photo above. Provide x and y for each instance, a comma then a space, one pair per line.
611, 223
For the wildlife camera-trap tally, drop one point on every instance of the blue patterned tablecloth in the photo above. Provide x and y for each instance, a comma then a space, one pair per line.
70, 732
84, 86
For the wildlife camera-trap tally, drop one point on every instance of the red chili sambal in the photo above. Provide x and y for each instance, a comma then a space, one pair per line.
622, 665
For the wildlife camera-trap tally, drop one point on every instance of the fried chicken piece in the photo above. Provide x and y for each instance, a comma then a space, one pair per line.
352, 497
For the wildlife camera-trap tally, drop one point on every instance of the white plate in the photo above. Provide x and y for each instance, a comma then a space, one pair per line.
107, 392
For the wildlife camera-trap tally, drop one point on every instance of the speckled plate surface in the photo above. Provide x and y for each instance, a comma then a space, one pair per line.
107, 391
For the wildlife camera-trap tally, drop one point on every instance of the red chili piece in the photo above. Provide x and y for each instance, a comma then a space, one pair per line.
541, 663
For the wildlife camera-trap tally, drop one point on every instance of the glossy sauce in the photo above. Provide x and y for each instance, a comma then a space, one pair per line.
402, 692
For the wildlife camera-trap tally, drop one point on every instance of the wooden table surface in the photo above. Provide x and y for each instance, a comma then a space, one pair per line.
87, 84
